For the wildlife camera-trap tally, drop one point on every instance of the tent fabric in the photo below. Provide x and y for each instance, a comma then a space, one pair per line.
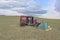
43, 26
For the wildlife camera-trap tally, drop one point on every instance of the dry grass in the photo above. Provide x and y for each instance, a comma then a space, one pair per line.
10, 30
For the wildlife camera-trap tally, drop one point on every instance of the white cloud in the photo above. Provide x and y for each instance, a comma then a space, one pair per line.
51, 12
9, 12
20, 6
57, 6
28, 7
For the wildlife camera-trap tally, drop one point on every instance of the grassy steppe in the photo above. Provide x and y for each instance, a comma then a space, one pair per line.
10, 30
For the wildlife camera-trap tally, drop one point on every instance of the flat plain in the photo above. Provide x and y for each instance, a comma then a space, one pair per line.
10, 30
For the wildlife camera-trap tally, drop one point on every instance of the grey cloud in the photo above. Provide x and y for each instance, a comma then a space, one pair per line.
2, 6
21, 3
11, 5
23, 6
33, 12
57, 5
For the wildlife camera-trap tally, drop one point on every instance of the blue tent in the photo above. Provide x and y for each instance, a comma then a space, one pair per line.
43, 26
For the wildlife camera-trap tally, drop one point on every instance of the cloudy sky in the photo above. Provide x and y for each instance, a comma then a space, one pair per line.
39, 8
